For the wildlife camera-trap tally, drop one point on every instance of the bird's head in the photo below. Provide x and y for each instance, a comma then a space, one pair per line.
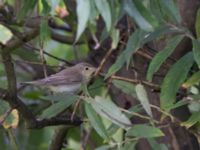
87, 70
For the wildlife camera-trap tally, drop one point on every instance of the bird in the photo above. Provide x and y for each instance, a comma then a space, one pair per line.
68, 80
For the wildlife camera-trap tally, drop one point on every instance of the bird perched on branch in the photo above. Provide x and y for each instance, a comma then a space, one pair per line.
67, 80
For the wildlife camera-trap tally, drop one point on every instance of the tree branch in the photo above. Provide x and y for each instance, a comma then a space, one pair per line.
11, 94
17, 42
56, 121
58, 138
36, 123
64, 39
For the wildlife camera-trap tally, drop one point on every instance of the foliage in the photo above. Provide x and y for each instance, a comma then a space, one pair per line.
105, 123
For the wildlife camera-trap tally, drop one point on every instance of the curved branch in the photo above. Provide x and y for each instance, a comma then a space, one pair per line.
17, 42
63, 39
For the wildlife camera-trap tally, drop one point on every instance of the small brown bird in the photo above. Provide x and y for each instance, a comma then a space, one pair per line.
67, 80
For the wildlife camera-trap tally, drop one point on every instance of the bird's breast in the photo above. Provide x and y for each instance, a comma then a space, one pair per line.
65, 88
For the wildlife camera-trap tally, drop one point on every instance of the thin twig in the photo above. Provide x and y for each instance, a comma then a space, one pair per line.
86, 138
173, 119
58, 138
75, 109
5, 115
139, 115
136, 81
32, 62
43, 60
145, 55
103, 61
48, 54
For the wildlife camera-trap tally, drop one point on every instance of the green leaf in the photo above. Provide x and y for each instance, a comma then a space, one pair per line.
44, 30
104, 147
96, 121
156, 10
130, 146
161, 31
173, 80
5, 35
125, 86
194, 106
64, 102
197, 24
179, 104
111, 111
161, 56
143, 98
104, 9
28, 5
45, 7
196, 51
194, 118
133, 12
155, 145
83, 13
144, 131
171, 10
146, 13
115, 38
194, 79
133, 44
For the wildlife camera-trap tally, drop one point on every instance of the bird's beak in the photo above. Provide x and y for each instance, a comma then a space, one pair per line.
93, 70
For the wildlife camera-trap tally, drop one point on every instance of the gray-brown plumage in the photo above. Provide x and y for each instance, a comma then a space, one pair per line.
69, 79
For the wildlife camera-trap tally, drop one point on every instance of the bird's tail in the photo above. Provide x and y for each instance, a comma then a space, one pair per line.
31, 83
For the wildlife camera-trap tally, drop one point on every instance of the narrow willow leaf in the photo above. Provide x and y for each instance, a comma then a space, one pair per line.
133, 44
143, 98
5, 35
156, 9
125, 86
146, 13
104, 147
104, 9
83, 13
171, 10
111, 111
160, 31
179, 104
144, 131
60, 106
155, 145
173, 80
28, 5
162, 56
45, 8
194, 118
96, 121
197, 24
45, 31
194, 79
115, 38
196, 51
130, 145
133, 12
194, 107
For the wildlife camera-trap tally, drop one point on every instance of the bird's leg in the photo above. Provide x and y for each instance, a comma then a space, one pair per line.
75, 109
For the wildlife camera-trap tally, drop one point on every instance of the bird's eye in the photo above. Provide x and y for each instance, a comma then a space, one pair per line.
86, 68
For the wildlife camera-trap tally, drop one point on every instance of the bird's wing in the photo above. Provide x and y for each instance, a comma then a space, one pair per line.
61, 78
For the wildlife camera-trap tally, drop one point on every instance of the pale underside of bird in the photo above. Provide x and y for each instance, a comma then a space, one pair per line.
67, 80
